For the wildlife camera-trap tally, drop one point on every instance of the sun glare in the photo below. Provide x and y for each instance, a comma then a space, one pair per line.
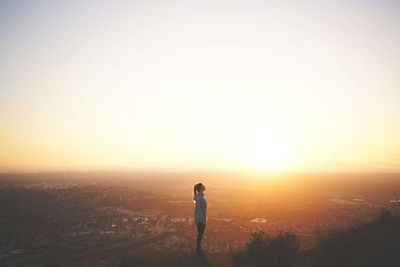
269, 153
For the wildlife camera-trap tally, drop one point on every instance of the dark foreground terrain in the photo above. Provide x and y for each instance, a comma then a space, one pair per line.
370, 245
110, 219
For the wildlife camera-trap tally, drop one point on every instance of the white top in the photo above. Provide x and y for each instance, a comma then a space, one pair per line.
200, 208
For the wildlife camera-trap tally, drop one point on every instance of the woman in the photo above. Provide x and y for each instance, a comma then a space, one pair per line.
199, 213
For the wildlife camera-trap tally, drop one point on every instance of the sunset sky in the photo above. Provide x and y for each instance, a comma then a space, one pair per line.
258, 85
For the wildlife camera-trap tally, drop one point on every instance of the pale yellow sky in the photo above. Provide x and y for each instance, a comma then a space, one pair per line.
262, 85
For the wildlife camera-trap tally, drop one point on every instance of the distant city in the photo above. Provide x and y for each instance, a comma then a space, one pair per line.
67, 218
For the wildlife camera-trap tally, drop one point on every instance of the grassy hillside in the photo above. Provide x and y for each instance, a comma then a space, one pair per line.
373, 244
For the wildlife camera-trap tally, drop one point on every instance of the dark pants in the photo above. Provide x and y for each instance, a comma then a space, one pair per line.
200, 231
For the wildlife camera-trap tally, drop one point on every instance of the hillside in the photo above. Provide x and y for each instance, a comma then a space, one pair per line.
369, 245
372, 244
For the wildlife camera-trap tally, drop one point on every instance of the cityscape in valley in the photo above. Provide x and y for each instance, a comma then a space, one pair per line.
78, 218
246, 133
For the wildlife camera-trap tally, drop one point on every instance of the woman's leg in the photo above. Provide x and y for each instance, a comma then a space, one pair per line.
200, 231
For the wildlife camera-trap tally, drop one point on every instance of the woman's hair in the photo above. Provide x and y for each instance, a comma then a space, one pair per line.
197, 187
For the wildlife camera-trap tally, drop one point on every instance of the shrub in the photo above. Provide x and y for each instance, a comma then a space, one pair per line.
263, 250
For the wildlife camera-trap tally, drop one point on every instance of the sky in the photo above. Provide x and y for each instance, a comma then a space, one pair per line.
258, 85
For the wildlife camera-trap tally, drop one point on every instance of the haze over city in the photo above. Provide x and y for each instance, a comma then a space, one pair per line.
199, 133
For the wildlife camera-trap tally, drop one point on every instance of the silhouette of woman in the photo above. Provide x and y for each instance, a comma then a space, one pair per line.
199, 213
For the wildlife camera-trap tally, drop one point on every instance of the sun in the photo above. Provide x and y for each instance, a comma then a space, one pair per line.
265, 152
